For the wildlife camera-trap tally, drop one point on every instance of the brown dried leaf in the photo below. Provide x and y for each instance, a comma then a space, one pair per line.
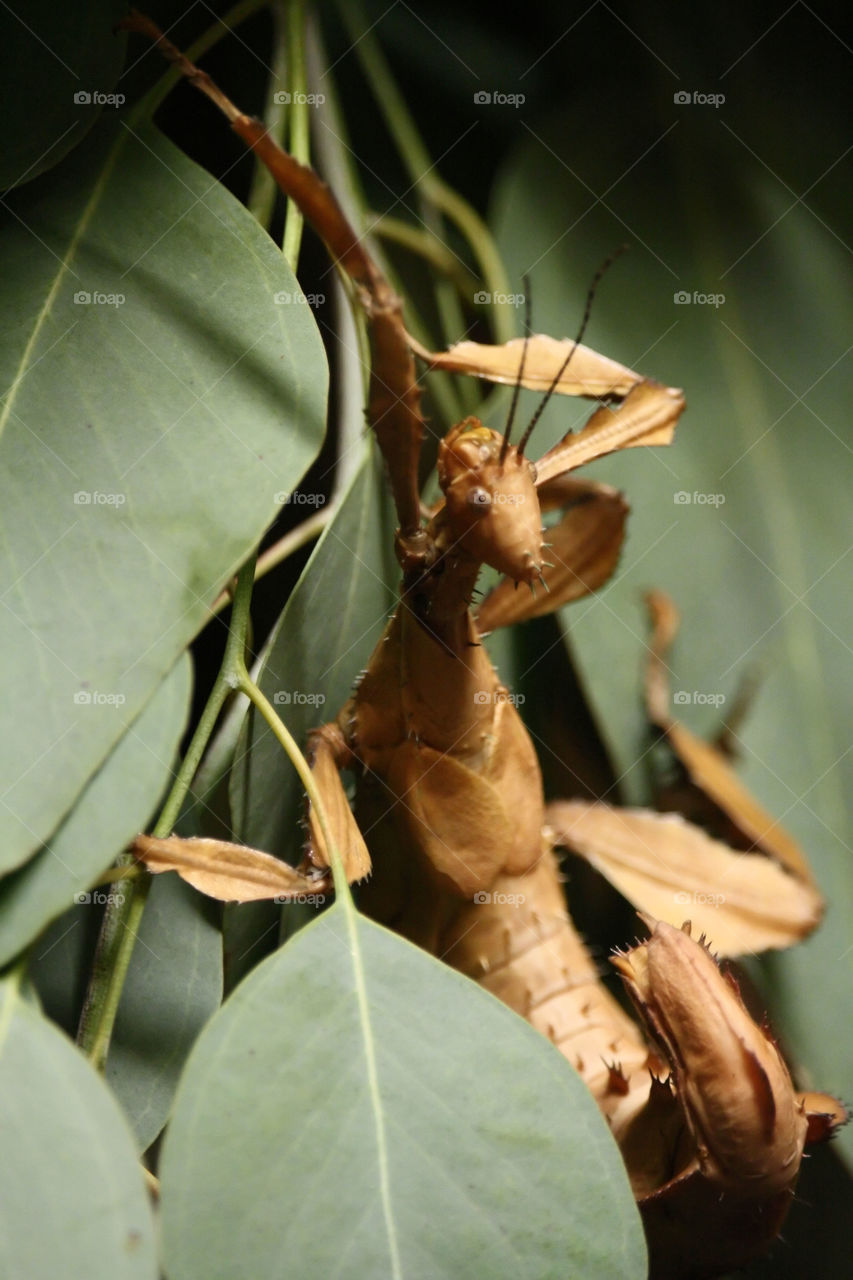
228, 872
587, 374
583, 550
709, 770
647, 416
327, 754
707, 766
667, 867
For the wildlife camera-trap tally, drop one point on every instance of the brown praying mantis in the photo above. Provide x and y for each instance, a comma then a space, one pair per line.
450, 831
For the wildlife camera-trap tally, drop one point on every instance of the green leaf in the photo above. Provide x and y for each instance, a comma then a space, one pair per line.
112, 809
59, 965
755, 560
60, 66
173, 986
74, 1202
358, 1109
144, 443
325, 635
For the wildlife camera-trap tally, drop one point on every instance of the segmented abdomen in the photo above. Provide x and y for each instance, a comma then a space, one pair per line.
518, 941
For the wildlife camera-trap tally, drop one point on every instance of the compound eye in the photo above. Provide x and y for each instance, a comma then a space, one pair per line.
480, 498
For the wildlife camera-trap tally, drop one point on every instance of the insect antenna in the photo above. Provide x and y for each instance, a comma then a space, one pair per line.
596, 279
525, 280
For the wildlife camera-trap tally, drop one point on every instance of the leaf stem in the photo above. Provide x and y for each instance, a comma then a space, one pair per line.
427, 246
123, 915
298, 138
291, 748
286, 545
263, 190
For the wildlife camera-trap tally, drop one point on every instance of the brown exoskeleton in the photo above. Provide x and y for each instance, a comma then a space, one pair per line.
449, 805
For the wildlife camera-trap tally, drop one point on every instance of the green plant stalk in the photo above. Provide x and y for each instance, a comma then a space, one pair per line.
288, 67
263, 190
124, 871
298, 138
426, 246
123, 918
290, 746
420, 166
286, 546
335, 156
409, 144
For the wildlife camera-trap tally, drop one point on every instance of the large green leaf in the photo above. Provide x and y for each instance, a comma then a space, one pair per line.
72, 1198
358, 1109
741, 520
144, 443
173, 985
113, 807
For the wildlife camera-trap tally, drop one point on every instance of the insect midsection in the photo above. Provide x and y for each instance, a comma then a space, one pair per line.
452, 794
